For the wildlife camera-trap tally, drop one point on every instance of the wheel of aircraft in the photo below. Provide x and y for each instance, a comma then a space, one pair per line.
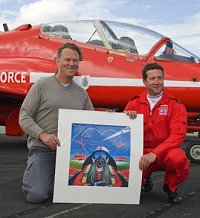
193, 152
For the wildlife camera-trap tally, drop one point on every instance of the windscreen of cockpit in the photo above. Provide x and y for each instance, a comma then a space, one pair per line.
171, 51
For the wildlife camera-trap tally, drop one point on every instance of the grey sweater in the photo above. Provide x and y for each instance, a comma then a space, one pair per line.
39, 111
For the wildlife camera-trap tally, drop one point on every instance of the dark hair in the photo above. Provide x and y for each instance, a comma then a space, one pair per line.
151, 66
70, 46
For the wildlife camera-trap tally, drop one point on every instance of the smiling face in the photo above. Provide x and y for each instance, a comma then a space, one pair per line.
154, 82
68, 64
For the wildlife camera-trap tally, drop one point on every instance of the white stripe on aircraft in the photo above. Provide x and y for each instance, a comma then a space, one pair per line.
106, 81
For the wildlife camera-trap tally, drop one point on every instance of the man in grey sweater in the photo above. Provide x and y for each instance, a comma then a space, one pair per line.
39, 120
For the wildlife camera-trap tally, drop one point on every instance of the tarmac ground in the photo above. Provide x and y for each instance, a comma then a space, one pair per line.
13, 155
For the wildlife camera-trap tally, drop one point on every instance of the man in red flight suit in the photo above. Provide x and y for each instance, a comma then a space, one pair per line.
165, 127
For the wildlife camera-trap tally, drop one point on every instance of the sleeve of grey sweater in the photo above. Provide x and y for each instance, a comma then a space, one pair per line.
88, 104
29, 110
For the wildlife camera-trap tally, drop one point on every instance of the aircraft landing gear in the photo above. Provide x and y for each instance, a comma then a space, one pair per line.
193, 152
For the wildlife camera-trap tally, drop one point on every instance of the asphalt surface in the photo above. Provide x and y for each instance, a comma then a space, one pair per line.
13, 153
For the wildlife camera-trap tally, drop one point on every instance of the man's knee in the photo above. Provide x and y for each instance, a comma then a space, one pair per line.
35, 197
176, 160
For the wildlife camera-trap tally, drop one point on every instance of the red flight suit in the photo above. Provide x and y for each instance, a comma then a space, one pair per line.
165, 128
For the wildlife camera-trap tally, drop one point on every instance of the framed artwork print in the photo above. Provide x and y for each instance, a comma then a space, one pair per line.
98, 160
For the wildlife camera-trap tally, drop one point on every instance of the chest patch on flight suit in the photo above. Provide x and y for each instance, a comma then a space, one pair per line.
163, 109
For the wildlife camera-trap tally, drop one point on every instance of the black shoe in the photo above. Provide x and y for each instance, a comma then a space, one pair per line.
173, 197
148, 185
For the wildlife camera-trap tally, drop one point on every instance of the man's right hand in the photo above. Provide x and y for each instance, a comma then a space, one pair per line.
49, 139
146, 160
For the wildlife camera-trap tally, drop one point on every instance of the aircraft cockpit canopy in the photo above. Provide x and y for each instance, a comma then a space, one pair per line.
118, 36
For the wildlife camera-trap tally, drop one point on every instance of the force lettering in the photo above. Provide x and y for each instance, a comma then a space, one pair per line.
13, 77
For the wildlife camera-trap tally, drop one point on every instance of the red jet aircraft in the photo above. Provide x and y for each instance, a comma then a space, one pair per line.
114, 55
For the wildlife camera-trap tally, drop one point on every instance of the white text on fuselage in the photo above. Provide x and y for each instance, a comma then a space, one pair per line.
13, 77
